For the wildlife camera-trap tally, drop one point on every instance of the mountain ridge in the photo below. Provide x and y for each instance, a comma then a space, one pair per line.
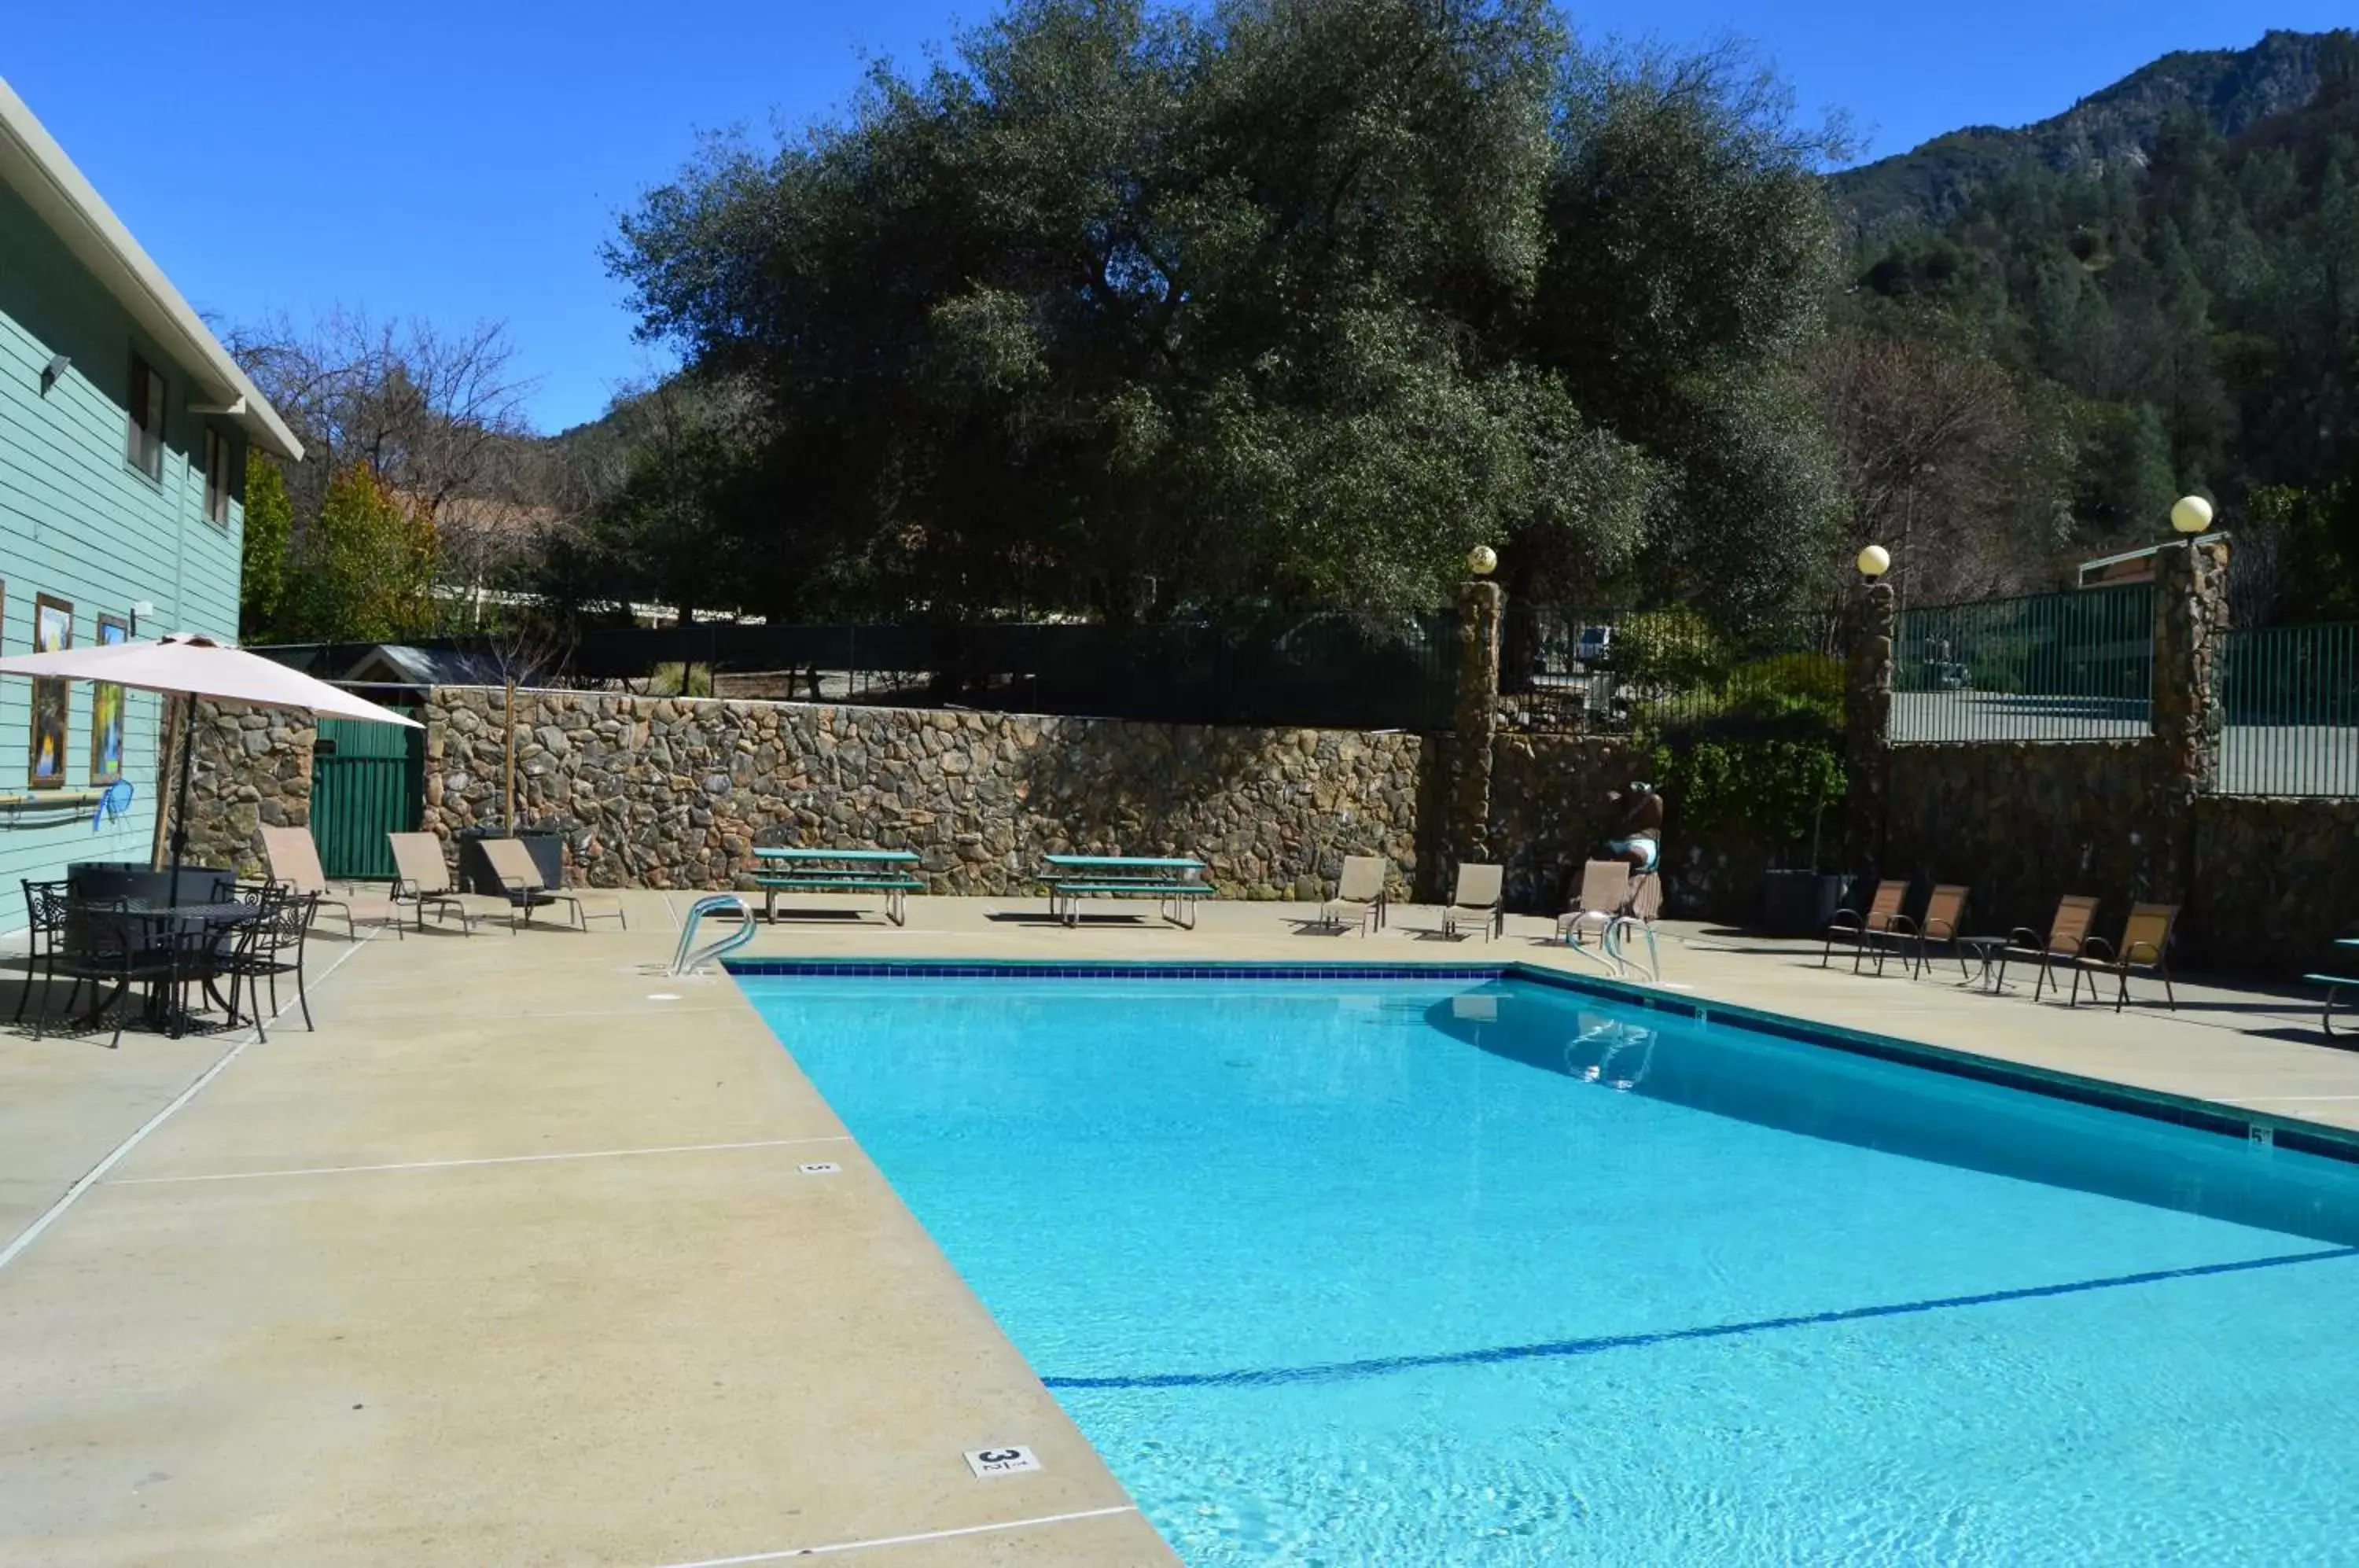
2235, 89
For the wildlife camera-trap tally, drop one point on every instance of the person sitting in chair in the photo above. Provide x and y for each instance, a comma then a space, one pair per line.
1637, 835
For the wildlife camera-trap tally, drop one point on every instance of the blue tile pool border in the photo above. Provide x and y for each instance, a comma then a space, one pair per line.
2224, 1121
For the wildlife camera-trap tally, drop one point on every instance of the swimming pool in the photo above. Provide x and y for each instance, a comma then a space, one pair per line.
1488, 1272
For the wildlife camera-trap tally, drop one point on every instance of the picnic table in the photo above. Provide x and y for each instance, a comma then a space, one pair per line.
881, 871
1174, 882
2347, 946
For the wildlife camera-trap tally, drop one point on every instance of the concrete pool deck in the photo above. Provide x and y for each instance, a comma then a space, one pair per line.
514, 1260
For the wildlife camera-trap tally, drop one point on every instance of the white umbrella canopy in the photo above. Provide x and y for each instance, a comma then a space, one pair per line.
199, 667
190, 666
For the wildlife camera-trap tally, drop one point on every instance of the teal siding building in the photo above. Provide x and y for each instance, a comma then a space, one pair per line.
125, 430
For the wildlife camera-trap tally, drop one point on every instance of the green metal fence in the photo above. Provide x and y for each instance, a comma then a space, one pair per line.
1584, 669
2052, 667
368, 780
2288, 698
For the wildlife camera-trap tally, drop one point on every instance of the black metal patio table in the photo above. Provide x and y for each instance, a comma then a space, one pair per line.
182, 932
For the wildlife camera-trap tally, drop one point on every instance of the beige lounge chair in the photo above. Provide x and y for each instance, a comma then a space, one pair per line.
2068, 937
2145, 944
295, 866
423, 878
1359, 895
1603, 898
519, 878
1477, 893
1867, 930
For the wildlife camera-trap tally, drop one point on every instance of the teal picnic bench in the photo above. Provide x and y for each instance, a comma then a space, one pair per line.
881, 871
2334, 983
1173, 882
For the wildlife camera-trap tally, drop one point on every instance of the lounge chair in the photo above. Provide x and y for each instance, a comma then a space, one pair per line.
2068, 937
1945, 913
1602, 897
1477, 892
1873, 928
423, 878
1359, 895
520, 881
295, 866
2145, 944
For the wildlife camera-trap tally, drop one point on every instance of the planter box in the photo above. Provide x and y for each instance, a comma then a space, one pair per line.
1799, 903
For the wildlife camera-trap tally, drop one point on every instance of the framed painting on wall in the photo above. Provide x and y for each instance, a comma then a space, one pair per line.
52, 633
106, 711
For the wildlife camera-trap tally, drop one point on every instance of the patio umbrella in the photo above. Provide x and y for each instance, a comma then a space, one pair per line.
187, 666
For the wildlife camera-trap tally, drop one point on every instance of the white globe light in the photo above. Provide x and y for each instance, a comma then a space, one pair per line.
1482, 561
1875, 561
2190, 514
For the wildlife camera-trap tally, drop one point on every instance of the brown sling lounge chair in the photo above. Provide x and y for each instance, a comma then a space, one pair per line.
295, 866
1874, 928
520, 881
1359, 895
1476, 894
2068, 936
1945, 912
1605, 891
422, 878
2145, 944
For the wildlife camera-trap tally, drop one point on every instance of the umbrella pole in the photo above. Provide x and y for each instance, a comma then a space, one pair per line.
181, 806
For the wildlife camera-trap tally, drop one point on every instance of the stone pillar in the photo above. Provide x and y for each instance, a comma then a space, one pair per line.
253, 770
1867, 723
2190, 614
1475, 723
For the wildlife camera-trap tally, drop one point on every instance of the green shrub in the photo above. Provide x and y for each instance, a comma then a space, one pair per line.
1787, 686
1772, 790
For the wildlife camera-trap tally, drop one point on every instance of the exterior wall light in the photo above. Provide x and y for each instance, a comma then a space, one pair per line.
2191, 514
1873, 562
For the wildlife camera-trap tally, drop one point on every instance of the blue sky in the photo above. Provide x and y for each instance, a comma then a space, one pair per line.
459, 162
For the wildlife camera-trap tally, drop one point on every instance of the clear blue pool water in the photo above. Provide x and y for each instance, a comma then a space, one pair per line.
1492, 1273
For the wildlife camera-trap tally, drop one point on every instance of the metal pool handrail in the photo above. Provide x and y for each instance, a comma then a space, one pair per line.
683, 961
1622, 961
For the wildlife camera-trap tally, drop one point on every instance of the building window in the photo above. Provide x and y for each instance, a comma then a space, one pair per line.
216, 477
145, 449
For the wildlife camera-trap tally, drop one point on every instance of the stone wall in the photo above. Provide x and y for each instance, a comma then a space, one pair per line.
2024, 824
252, 769
2275, 883
670, 792
1548, 809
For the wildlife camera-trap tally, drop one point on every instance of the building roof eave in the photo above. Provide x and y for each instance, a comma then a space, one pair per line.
34, 166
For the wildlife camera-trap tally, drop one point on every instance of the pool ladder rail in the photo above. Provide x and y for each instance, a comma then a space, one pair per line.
1622, 964
688, 957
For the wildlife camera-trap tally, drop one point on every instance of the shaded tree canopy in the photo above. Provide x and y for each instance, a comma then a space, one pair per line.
1125, 310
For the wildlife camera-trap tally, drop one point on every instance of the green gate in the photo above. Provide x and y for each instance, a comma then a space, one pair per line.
368, 780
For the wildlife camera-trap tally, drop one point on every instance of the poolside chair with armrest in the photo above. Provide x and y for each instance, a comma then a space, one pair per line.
520, 881
2068, 937
1872, 927
1359, 895
422, 878
2145, 944
295, 866
1943, 921
1602, 897
1477, 892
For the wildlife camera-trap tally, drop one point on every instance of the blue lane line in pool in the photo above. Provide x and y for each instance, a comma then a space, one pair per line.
1338, 1371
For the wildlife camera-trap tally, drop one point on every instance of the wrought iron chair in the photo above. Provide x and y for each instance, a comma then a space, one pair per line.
103, 941
268, 947
45, 914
